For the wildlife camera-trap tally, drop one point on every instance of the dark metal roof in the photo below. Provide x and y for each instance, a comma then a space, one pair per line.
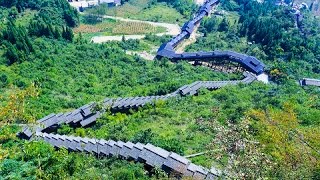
152, 155
177, 163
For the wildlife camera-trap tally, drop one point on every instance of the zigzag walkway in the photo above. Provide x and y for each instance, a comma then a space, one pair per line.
148, 154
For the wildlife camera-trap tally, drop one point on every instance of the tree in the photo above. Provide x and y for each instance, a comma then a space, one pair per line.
67, 34
12, 54
17, 43
224, 25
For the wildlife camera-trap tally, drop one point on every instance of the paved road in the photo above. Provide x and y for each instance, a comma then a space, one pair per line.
172, 30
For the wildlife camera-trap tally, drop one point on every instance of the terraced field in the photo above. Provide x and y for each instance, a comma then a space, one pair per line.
113, 27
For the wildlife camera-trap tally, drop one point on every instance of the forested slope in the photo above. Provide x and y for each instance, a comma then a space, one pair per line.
251, 131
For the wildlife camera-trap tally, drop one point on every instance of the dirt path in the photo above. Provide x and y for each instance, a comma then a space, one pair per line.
143, 54
101, 39
192, 39
171, 29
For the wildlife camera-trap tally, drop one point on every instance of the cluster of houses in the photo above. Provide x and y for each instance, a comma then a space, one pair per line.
297, 7
315, 8
81, 5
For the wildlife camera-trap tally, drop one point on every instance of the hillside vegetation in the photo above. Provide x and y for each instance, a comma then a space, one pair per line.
255, 131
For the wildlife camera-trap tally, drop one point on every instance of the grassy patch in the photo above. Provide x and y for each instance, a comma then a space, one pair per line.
25, 17
128, 9
161, 13
158, 13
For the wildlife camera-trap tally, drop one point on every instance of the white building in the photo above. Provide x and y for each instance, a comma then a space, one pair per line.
90, 3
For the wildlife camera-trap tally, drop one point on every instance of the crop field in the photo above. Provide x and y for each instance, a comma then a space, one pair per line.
111, 27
